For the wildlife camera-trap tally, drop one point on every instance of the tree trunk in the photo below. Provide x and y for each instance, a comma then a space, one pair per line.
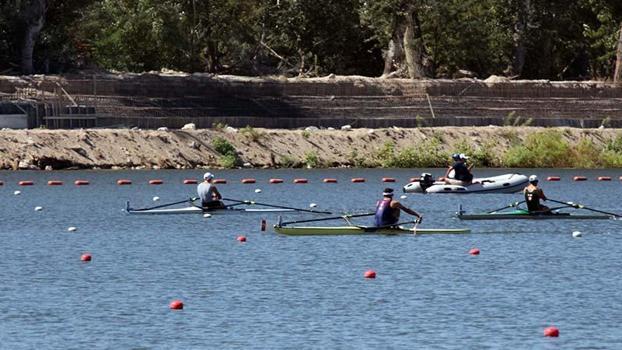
519, 37
34, 19
414, 49
617, 77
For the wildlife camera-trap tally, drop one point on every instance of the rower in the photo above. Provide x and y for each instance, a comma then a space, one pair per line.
533, 194
210, 197
461, 171
388, 210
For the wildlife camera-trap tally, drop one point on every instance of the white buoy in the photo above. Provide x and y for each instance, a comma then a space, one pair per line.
576, 234
312, 205
258, 190
403, 196
17, 193
156, 198
207, 215
72, 229
38, 208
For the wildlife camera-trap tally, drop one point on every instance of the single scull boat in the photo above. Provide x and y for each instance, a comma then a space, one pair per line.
359, 230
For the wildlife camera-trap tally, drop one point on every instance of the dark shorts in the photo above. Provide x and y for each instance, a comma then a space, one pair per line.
213, 205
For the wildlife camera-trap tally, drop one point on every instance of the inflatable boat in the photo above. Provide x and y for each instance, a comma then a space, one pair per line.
507, 183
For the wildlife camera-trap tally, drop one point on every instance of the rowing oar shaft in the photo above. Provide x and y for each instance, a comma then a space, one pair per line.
168, 205
581, 206
515, 204
276, 206
326, 219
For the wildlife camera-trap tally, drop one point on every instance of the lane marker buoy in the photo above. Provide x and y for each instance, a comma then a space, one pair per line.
579, 178
122, 182
156, 198
38, 208
17, 193
370, 274
258, 190
55, 183
248, 181
72, 229
276, 181
403, 196
330, 181
207, 215
156, 182
551, 331
414, 179
553, 178
26, 183
388, 179
241, 239
312, 205
190, 182
176, 305
81, 182
576, 234
86, 257
358, 180
474, 251
604, 178
300, 181
219, 181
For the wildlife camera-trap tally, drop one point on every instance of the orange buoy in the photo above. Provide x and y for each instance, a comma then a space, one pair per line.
86, 257
579, 178
553, 178
358, 180
474, 251
263, 224
156, 182
248, 181
370, 274
219, 181
604, 178
300, 181
388, 179
330, 181
414, 179
190, 182
276, 181
81, 182
124, 182
55, 183
176, 305
25, 183
241, 239
551, 331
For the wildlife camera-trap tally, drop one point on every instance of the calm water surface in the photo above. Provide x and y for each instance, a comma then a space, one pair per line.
277, 292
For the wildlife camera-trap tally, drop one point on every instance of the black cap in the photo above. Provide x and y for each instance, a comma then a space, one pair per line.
388, 192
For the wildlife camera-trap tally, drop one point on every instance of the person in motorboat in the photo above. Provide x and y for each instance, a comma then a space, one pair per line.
461, 171
210, 197
388, 210
533, 195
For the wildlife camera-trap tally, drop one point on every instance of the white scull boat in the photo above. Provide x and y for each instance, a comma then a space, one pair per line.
199, 210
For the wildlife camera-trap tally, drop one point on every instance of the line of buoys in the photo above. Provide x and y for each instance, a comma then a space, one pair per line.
241, 239
156, 182
604, 178
123, 182
371, 274
301, 181
276, 181
551, 331
26, 183
219, 181
474, 251
81, 183
86, 257
388, 179
248, 181
176, 305
55, 183
553, 178
579, 178
358, 180
334, 181
190, 182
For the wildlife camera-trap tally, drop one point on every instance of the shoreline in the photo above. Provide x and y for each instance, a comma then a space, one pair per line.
226, 147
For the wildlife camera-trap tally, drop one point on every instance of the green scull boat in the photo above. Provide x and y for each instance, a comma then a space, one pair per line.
361, 230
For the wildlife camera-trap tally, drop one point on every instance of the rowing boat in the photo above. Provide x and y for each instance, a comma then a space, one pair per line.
522, 214
360, 230
198, 210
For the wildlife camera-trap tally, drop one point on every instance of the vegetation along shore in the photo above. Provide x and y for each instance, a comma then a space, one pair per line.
226, 147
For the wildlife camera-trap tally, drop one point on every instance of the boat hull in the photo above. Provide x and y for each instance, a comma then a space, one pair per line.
197, 210
508, 183
525, 215
353, 230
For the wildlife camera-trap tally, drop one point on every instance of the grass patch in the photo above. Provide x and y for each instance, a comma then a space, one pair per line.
228, 154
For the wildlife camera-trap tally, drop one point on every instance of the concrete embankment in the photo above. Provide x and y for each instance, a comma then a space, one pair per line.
121, 148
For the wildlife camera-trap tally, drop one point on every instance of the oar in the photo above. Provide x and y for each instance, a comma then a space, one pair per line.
326, 219
511, 205
376, 228
581, 206
163, 205
275, 206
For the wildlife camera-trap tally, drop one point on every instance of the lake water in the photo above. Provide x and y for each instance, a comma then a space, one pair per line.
276, 292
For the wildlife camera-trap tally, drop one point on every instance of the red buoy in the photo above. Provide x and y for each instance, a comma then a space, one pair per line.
248, 181
176, 305
263, 224
334, 181
300, 181
370, 274
551, 331
358, 180
124, 182
156, 182
241, 239
219, 181
474, 251
579, 178
25, 183
190, 182
388, 179
276, 181
81, 182
604, 178
86, 257
553, 178
55, 183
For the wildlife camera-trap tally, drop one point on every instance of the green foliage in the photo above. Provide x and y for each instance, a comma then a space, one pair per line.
312, 160
229, 161
288, 162
219, 126
228, 155
425, 154
306, 134
540, 149
251, 133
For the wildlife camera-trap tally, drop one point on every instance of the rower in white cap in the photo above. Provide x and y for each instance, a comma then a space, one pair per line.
533, 195
210, 197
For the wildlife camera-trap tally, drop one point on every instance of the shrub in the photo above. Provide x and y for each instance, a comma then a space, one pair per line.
540, 149
229, 156
250, 132
312, 160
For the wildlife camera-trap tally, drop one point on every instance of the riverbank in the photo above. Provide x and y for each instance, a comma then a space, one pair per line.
272, 148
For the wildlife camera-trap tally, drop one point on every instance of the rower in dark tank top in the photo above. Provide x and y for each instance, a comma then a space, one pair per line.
533, 195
